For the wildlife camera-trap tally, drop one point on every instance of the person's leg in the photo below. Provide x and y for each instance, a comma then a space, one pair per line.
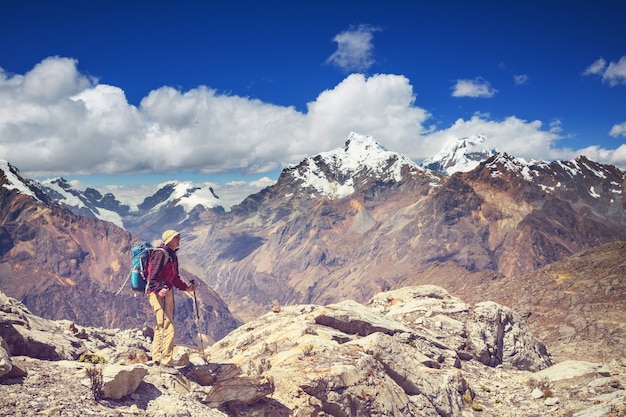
157, 341
168, 330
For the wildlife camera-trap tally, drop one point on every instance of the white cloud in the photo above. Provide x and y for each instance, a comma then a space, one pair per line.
619, 129
513, 135
520, 79
608, 156
81, 127
596, 68
354, 49
473, 88
614, 73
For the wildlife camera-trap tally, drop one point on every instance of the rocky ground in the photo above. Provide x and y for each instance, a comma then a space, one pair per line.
62, 388
411, 352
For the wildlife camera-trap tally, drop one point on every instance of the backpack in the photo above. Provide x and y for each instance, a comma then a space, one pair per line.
140, 254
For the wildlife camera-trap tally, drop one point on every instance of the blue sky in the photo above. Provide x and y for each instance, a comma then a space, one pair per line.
138, 92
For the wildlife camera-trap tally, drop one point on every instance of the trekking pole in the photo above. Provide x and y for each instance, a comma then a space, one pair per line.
195, 303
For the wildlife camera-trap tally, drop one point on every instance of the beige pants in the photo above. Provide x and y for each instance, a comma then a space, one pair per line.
163, 343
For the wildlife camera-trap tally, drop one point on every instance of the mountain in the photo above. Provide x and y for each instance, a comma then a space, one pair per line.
462, 155
65, 266
174, 203
88, 203
359, 219
359, 165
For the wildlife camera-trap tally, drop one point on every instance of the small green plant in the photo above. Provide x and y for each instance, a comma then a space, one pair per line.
307, 349
257, 369
269, 348
95, 376
477, 407
250, 339
467, 397
91, 358
485, 388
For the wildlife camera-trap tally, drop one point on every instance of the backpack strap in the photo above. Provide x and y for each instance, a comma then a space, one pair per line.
167, 255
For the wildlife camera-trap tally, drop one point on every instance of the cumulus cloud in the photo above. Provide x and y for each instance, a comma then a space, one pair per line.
75, 125
473, 88
354, 49
614, 73
618, 130
516, 136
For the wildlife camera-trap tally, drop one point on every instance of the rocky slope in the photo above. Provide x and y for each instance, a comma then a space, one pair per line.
416, 351
360, 219
64, 266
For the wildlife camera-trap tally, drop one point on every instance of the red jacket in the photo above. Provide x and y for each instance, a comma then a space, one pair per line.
163, 270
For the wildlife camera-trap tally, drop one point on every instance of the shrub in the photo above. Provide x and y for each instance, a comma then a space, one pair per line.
95, 376
91, 358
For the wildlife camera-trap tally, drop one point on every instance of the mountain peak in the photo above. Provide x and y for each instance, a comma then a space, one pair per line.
462, 155
335, 172
13, 181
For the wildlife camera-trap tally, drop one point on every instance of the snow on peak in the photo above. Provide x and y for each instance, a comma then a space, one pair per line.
332, 173
14, 181
509, 163
461, 155
190, 196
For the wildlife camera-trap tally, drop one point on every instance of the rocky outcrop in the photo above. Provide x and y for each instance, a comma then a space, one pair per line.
575, 306
25, 334
404, 353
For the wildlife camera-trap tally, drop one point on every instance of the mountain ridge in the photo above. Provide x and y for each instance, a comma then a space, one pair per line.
506, 216
291, 243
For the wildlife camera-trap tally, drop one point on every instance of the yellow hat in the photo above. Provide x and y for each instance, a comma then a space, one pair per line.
168, 235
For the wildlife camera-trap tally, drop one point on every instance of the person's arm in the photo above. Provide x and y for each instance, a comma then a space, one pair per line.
182, 285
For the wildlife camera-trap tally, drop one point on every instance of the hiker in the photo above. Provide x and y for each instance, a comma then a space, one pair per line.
162, 278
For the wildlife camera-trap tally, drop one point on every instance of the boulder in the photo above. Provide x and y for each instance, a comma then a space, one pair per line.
118, 381
497, 335
416, 373
29, 335
5, 359
237, 391
353, 318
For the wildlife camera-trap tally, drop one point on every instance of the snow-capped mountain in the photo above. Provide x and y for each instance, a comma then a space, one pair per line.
462, 155
89, 203
182, 197
14, 181
345, 223
339, 172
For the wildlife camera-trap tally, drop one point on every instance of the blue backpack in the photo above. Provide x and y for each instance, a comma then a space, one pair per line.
139, 271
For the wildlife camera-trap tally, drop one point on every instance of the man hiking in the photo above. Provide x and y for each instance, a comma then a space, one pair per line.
162, 278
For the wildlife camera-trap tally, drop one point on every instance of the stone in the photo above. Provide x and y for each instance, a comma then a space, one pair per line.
5, 359
238, 391
551, 401
118, 381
